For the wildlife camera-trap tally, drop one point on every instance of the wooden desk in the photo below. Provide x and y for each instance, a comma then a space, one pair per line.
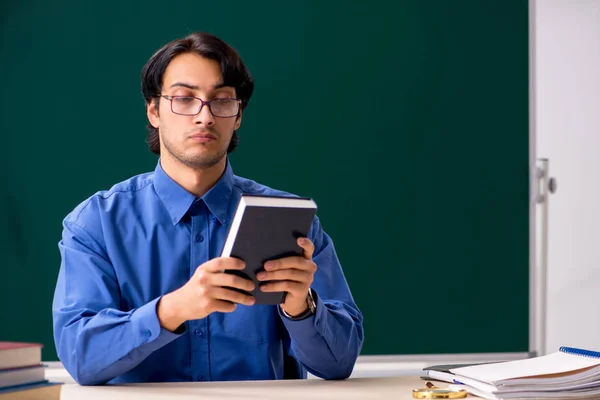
397, 388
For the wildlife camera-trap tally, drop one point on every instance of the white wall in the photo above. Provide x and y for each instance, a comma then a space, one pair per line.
567, 128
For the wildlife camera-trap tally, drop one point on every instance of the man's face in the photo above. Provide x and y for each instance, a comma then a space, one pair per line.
198, 141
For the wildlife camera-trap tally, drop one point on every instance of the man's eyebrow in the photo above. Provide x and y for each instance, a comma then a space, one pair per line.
185, 85
194, 87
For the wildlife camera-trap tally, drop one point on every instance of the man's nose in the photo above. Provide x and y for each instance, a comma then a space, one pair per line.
204, 117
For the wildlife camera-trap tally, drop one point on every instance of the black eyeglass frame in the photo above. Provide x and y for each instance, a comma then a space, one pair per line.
202, 104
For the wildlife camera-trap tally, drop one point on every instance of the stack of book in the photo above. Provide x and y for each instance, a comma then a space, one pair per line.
569, 373
22, 373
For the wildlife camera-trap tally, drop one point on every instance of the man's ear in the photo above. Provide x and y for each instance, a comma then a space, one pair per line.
152, 112
238, 121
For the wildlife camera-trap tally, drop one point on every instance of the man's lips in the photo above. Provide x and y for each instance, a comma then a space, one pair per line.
203, 137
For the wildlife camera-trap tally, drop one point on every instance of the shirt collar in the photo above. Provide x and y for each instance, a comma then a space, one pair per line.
177, 200
217, 197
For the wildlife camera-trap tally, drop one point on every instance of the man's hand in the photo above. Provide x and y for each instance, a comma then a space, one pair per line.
205, 293
294, 275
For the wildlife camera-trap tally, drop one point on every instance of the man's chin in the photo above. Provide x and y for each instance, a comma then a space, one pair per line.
202, 161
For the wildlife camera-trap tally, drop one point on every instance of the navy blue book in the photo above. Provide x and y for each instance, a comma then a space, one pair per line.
267, 228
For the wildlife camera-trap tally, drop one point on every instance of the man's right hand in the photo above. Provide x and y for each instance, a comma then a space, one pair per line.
205, 293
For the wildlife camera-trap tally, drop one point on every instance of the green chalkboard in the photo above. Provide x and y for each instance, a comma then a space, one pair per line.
406, 121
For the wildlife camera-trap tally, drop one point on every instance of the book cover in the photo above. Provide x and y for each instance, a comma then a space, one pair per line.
267, 228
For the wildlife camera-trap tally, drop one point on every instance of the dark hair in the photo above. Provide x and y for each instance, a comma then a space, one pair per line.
233, 71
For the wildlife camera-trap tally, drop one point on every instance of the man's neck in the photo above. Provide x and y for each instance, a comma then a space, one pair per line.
195, 181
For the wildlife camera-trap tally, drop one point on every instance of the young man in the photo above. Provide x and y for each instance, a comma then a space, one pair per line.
140, 295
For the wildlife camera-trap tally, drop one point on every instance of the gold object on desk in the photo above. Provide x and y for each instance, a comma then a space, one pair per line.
434, 392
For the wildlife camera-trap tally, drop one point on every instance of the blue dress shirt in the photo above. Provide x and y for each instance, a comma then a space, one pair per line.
124, 248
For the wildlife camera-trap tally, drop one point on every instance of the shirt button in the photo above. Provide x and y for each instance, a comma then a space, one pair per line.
199, 332
200, 378
199, 238
214, 219
147, 333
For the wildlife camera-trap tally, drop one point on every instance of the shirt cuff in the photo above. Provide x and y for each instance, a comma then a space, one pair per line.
150, 333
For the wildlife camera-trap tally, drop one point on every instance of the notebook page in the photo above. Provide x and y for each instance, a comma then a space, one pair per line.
549, 364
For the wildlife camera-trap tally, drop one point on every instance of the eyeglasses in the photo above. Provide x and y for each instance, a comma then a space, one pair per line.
189, 105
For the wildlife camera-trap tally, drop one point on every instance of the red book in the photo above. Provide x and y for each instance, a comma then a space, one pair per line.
19, 354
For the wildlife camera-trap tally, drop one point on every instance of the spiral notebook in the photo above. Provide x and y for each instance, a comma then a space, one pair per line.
570, 372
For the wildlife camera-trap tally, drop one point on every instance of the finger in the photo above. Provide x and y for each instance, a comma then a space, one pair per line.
291, 263
223, 306
222, 293
284, 286
220, 264
232, 280
296, 275
307, 246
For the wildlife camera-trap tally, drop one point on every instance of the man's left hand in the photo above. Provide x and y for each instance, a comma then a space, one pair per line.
293, 275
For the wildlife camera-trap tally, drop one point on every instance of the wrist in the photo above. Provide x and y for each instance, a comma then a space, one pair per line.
167, 314
294, 311
306, 310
